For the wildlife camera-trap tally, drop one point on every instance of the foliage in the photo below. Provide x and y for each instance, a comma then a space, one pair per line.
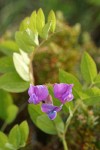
16, 138
7, 107
83, 12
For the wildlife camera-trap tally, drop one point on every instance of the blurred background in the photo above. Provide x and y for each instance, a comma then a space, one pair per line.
80, 20
85, 12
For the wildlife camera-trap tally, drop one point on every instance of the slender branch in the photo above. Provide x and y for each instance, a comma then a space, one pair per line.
67, 125
71, 116
31, 74
4, 126
62, 137
68, 122
22, 107
64, 144
91, 85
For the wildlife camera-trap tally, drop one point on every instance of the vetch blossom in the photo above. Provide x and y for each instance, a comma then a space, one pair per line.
63, 92
50, 109
37, 93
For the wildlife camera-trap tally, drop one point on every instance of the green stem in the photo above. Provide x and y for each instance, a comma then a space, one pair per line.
71, 116
31, 73
67, 125
4, 126
68, 122
62, 137
64, 144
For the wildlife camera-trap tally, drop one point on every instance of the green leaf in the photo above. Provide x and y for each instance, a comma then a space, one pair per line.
19, 37
34, 111
30, 38
97, 80
40, 21
7, 107
24, 130
3, 141
92, 96
23, 68
45, 30
5, 102
32, 24
46, 125
6, 64
15, 137
52, 20
24, 24
11, 116
88, 68
43, 122
11, 82
59, 124
25, 57
18, 136
8, 47
68, 78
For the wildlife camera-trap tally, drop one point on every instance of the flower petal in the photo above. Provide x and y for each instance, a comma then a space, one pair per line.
41, 91
33, 99
67, 97
47, 108
52, 115
63, 92
57, 109
37, 93
31, 90
59, 89
69, 87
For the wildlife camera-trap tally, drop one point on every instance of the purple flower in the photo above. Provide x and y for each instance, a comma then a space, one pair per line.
63, 92
37, 93
51, 110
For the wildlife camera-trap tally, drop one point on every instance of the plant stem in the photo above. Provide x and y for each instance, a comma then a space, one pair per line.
4, 126
62, 137
31, 73
68, 122
67, 125
71, 116
64, 144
